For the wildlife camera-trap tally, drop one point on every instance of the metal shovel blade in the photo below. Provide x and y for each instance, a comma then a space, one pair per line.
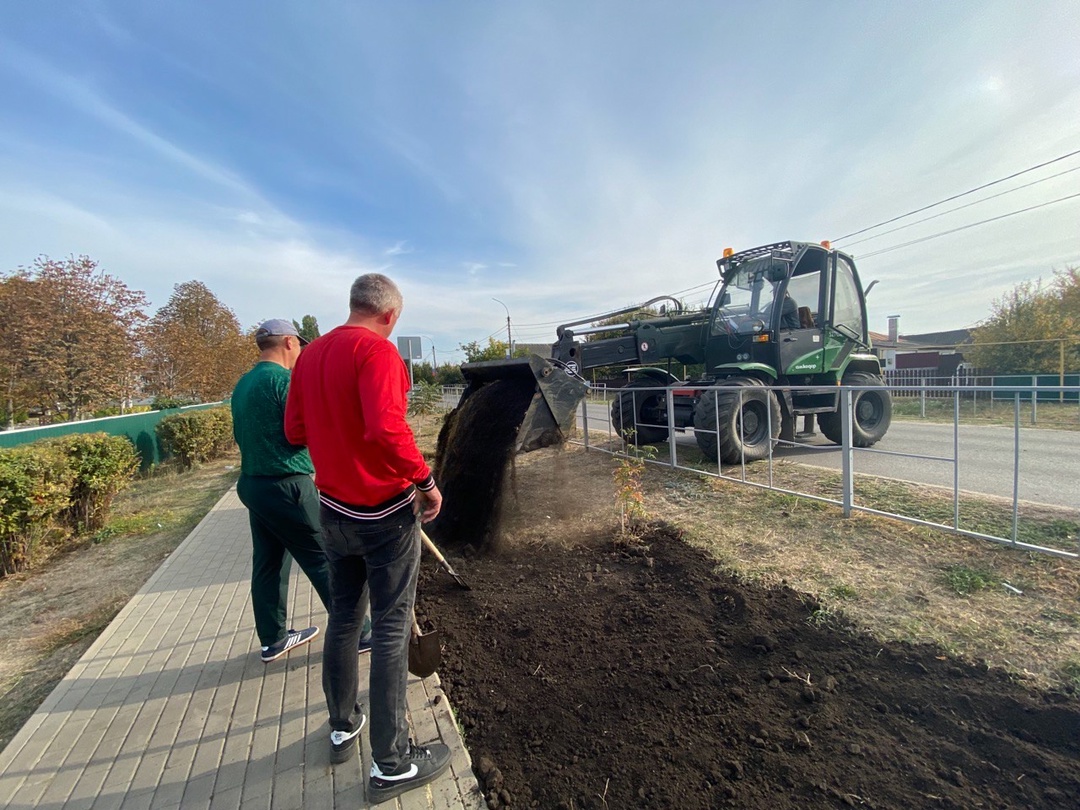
425, 652
443, 562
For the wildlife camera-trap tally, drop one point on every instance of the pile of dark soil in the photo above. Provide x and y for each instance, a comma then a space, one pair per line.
596, 676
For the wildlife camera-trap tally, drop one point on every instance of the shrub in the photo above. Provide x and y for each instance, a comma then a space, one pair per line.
168, 403
196, 436
19, 418
101, 466
35, 486
219, 423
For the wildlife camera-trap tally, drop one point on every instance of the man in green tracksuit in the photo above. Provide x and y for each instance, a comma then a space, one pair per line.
276, 487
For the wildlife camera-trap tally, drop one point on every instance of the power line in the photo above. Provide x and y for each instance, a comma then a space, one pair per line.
957, 196
959, 208
965, 227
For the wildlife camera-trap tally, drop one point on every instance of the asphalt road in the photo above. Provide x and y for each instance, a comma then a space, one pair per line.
1049, 459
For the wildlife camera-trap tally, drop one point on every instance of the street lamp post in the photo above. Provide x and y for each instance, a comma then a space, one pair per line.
509, 341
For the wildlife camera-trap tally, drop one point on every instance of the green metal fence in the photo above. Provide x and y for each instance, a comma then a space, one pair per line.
139, 427
1035, 381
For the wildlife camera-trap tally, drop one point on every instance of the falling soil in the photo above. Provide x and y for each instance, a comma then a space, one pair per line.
593, 674
472, 458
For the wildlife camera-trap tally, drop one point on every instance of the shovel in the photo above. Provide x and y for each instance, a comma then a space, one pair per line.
442, 561
425, 651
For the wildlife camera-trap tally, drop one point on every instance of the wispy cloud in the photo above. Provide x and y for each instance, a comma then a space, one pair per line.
530, 152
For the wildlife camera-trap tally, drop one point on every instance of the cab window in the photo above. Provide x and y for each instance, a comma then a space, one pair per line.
847, 308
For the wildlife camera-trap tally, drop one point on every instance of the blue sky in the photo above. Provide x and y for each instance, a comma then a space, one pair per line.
566, 158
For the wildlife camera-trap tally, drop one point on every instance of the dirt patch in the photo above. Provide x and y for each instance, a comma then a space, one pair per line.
587, 673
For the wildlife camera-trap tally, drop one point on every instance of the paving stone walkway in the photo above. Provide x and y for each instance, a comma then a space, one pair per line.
172, 707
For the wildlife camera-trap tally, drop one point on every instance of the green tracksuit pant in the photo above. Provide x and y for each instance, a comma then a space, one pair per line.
284, 516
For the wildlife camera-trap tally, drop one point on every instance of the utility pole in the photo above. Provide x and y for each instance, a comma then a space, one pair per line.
509, 340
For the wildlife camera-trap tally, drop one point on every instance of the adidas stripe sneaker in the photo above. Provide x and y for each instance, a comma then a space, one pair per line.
292, 640
423, 764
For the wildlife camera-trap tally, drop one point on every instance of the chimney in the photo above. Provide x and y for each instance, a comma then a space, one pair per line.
894, 328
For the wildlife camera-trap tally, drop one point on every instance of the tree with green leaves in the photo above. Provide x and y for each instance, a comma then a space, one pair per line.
308, 328
423, 373
1030, 326
495, 350
194, 346
449, 374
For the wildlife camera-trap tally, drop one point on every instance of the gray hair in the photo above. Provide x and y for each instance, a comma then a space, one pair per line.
374, 294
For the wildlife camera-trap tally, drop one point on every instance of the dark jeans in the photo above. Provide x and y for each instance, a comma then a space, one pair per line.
284, 517
386, 554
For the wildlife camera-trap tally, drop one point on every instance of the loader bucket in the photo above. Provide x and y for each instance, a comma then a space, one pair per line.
509, 407
556, 395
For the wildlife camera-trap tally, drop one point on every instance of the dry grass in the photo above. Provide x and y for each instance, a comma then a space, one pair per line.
982, 411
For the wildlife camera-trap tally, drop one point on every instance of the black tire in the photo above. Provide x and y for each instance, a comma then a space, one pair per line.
748, 432
635, 414
873, 413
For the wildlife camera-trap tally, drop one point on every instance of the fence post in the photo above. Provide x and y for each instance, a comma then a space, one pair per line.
922, 397
768, 420
1016, 469
742, 435
956, 460
1034, 396
672, 455
585, 421
847, 481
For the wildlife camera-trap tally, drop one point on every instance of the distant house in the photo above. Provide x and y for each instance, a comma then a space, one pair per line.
936, 353
934, 350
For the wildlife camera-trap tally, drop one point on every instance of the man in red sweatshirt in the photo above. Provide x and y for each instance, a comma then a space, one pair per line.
347, 403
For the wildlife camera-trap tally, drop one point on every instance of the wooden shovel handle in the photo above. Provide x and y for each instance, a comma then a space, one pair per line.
431, 547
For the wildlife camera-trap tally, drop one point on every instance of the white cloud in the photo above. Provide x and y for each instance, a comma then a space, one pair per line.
398, 249
568, 160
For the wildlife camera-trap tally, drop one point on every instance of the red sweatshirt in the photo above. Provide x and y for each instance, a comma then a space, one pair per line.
347, 403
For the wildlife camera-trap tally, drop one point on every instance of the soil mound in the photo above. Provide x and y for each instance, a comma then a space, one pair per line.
598, 676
